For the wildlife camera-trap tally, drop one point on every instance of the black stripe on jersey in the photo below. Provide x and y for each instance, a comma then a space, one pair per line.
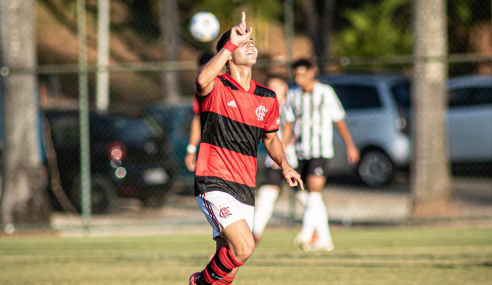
228, 83
240, 192
264, 92
223, 132
272, 131
219, 264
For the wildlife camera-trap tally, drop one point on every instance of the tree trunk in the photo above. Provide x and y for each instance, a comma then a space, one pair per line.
431, 187
320, 29
168, 20
23, 199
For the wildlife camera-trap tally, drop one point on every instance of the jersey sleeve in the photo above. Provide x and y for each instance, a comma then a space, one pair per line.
272, 119
336, 109
205, 101
288, 112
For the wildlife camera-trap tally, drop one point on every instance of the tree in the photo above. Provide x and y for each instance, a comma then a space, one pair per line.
375, 29
319, 25
171, 43
430, 178
23, 197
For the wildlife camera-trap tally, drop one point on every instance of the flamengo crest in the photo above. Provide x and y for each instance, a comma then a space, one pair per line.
225, 213
260, 112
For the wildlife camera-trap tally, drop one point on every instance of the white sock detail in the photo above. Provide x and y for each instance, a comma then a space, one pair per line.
267, 195
301, 197
311, 218
323, 229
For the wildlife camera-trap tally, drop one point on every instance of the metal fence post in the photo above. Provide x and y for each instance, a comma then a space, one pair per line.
85, 168
289, 32
102, 82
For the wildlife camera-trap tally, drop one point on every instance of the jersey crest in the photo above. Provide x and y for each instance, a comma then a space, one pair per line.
260, 112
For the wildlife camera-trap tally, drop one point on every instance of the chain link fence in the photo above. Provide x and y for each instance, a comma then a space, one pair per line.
138, 144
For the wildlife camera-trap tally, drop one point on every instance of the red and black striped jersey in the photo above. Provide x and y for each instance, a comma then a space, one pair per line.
233, 122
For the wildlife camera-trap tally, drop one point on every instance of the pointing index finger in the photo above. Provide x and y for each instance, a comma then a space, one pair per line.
243, 20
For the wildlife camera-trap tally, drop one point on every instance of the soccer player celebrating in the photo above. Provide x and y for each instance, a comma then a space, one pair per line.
312, 110
236, 112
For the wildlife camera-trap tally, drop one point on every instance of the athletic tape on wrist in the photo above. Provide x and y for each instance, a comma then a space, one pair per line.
191, 148
230, 46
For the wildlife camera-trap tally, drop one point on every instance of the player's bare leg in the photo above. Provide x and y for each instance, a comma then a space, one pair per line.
234, 247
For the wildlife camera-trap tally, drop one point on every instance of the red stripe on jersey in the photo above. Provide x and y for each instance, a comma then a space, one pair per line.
242, 106
228, 165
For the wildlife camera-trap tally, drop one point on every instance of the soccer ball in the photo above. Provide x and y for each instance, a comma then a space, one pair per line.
204, 26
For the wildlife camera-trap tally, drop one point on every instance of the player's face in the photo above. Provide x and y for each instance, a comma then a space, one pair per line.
246, 53
304, 76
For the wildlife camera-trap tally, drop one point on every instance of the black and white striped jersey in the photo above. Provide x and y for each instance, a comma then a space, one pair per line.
312, 115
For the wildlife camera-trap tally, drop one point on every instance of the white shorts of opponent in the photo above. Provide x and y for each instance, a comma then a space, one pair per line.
221, 210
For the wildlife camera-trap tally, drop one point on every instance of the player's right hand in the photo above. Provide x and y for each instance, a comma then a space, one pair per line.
190, 161
293, 178
240, 33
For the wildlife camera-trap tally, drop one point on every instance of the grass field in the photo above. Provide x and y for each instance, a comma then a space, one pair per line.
362, 256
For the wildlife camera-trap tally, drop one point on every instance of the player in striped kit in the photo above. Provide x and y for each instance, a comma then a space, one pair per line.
272, 176
236, 112
312, 110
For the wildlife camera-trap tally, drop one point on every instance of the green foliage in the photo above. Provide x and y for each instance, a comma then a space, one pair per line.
376, 29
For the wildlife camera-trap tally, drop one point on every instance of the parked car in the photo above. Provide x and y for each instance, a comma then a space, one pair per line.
176, 121
378, 121
128, 154
470, 120
379, 118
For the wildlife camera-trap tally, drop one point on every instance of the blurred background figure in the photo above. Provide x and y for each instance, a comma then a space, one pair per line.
272, 179
195, 130
312, 110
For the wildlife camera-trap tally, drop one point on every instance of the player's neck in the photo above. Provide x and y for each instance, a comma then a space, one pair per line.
242, 75
309, 87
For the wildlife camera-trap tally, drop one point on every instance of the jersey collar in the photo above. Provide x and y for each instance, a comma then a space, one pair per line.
252, 86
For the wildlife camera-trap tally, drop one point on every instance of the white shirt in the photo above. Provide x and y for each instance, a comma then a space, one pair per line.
312, 115
290, 151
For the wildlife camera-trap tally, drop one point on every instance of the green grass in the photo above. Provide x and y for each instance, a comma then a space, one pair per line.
362, 256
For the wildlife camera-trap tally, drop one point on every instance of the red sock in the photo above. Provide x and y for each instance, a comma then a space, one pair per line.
221, 264
225, 281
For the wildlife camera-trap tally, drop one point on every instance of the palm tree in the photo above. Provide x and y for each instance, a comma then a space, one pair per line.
430, 178
23, 197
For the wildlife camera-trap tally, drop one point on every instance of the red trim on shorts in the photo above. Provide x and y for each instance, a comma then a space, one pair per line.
211, 213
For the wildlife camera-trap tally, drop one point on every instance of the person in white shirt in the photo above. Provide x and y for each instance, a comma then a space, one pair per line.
313, 108
272, 176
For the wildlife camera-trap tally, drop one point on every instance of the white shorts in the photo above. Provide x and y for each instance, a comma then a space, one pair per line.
221, 210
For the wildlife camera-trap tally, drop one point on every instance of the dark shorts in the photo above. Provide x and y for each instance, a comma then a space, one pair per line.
314, 166
272, 176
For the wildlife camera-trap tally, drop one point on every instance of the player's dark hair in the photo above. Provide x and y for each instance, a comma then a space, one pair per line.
223, 40
205, 57
303, 62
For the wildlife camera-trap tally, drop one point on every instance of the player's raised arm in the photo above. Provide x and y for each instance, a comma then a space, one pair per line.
238, 35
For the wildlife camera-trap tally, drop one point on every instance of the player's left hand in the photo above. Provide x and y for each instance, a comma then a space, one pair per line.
353, 155
240, 32
293, 178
